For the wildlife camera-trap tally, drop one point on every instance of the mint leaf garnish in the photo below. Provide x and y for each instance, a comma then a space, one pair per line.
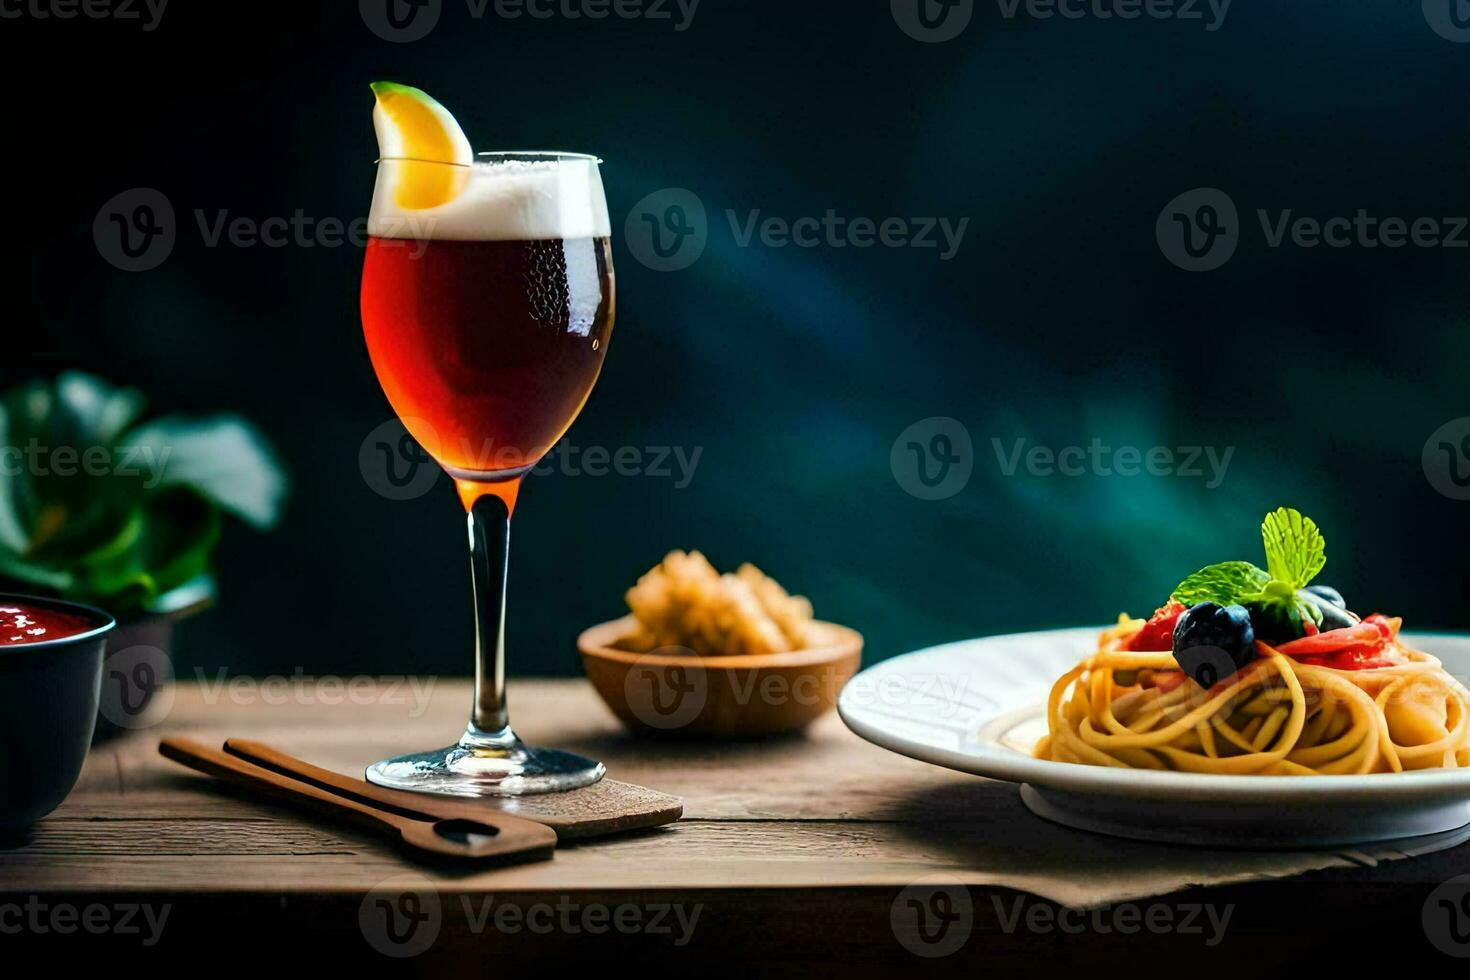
1295, 553
1295, 550
1225, 584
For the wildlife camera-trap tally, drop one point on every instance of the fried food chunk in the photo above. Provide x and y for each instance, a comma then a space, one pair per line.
684, 602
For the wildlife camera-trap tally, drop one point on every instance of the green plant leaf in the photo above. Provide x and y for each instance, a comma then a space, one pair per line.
13, 533
1295, 548
165, 543
225, 459
197, 593
62, 497
93, 411
1225, 583
26, 410
181, 537
119, 567
96, 507
33, 576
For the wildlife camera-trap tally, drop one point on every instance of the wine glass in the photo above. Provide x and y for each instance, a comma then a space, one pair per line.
487, 319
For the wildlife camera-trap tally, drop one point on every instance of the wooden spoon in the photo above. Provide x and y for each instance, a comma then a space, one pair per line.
486, 836
606, 807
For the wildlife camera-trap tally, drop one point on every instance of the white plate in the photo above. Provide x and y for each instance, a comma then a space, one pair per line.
978, 707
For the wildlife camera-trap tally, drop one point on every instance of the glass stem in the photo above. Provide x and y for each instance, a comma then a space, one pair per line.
489, 521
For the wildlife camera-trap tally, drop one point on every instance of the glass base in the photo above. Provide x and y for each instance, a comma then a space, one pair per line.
487, 764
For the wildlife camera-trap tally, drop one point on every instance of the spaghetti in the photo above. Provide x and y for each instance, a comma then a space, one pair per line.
1313, 706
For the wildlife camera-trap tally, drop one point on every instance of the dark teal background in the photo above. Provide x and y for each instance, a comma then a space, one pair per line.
794, 370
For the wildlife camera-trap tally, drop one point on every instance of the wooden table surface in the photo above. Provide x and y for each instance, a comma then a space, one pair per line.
796, 851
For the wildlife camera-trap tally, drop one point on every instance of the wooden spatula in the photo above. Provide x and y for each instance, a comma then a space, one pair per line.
484, 836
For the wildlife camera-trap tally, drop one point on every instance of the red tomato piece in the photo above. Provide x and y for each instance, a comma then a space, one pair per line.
1158, 633
1364, 646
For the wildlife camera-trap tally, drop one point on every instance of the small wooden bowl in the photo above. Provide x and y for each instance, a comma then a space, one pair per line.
684, 694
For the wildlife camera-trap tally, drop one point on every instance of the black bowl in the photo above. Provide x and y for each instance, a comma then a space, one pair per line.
48, 707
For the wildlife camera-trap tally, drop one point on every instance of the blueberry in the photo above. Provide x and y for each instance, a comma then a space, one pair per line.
1328, 593
1335, 614
1212, 642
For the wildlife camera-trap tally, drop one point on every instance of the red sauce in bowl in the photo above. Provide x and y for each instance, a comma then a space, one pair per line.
36, 624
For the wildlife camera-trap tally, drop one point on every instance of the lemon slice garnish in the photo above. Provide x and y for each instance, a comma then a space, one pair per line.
421, 137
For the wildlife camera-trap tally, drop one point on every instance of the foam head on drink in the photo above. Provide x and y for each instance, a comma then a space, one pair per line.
487, 303
512, 200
